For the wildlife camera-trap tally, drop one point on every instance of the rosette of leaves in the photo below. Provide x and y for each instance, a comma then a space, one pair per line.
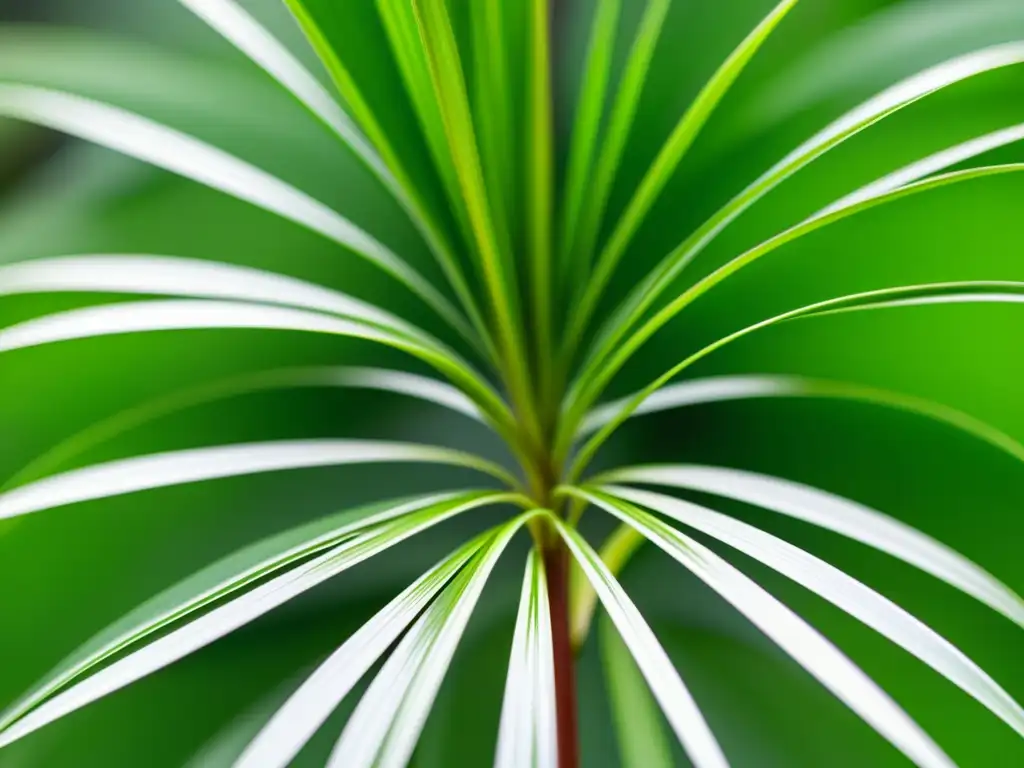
530, 326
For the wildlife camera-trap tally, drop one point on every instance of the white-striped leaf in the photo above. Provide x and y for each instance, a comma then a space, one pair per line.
162, 470
386, 725
195, 278
842, 516
812, 651
527, 735
220, 580
193, 314
230, 616
718, 389
187, 156
842, 590
668, 688
295, 722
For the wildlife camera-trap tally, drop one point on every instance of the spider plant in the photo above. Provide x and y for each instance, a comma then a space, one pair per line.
531, 326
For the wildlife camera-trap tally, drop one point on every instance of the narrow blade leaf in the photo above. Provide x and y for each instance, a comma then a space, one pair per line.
719, 389
668, 688
295, 722
808, 648
186, 156
162, 470
842, 590
228, 617
845, 517
217, 581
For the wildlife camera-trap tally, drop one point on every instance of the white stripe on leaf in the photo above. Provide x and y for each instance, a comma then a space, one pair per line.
808, 648
840, 589
842, 516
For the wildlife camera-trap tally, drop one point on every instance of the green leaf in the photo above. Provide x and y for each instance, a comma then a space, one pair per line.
411, 55
620, 123
668, 160
386, 725
587, 125
195, 278
668, 688
638, 725
611, 355
295, 722
540, 174
449, 89
186, 156
850, 595
718, 389
383, 380
808, 648
242, 30
527, 734
216, 581
231, 615
842, 516
879, 107
161, 470
915, 295
150, 316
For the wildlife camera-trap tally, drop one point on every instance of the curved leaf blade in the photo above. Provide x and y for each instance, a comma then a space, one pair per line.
669, 158
217, 581
843, 516
162, 470
186, 156
808, 648
527, 734
717, 389
386, 725
230, 616
668, 688
194, 278
850, 595
888, 298
184, 314
295, 722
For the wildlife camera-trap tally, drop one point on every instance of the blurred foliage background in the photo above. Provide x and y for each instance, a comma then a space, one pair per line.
68, 573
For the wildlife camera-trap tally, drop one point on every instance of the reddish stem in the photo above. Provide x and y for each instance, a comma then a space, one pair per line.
556, 564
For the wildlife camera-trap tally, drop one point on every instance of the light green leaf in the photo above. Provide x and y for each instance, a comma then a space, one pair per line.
195, 278
915, 295
808, 648
620, 123
867, 114
587, 125
527, 734
668, 688
295, 722
449, 89
611, 353
641, 736
380, 379
388, 166
386, 725
229, 616
668, 160
858, 600
184, 314
845, 517
161, 470
219, 580
186, 156
718, 389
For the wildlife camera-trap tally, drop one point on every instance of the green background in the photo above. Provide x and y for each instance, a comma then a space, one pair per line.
69, 572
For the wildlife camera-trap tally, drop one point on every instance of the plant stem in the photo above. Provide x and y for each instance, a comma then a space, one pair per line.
556, 564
